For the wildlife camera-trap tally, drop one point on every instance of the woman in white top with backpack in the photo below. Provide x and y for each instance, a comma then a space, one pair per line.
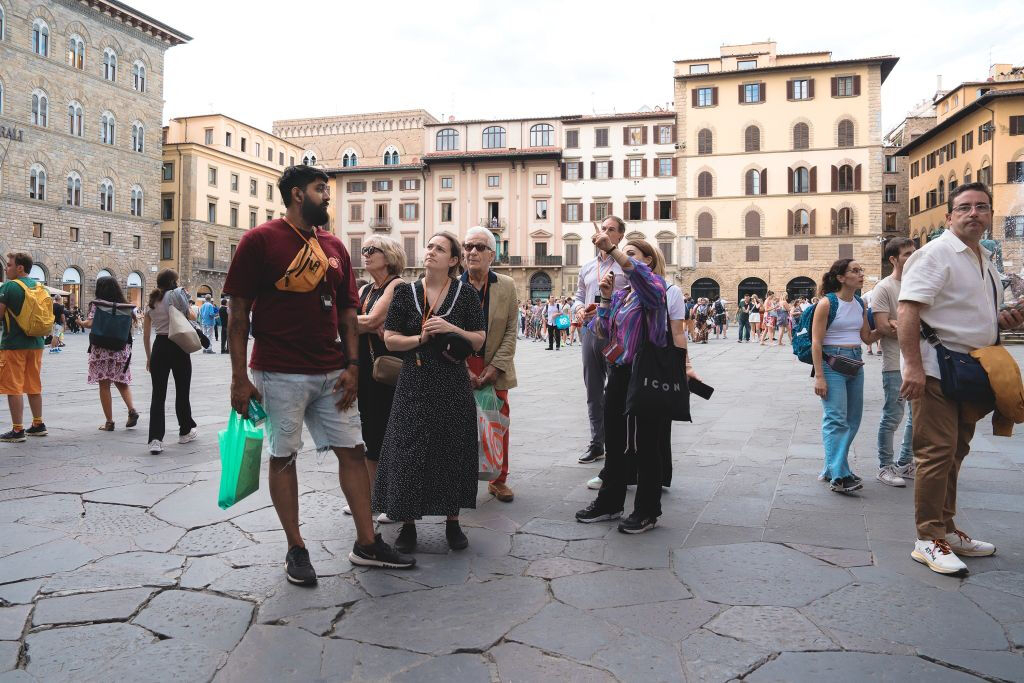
838, 368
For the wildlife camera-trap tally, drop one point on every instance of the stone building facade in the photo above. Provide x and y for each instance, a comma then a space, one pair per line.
219, 178
780, 167
81, 103
895, 193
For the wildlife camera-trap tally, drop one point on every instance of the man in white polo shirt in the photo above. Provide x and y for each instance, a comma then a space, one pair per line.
952, 285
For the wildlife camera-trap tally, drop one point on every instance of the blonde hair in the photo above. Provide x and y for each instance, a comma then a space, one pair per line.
393, 252
657, 258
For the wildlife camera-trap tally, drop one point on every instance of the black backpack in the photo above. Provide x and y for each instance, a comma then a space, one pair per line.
111, 325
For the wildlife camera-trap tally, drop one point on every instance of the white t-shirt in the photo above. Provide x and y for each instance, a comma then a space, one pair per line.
960, 296
676, 305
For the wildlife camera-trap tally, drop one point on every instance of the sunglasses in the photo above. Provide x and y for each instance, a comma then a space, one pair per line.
476, 247
369, 251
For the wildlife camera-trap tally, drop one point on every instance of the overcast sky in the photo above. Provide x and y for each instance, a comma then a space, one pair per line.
260, 61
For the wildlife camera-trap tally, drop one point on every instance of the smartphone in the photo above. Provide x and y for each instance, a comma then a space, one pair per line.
256, 413
698, 388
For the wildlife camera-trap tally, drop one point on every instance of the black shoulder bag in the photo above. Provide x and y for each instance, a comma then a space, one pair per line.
658, 385
961, 375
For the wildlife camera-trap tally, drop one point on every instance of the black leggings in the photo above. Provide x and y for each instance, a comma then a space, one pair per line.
167, 358
643, 440
554, 337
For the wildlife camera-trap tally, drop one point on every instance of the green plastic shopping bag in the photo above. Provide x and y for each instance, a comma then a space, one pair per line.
241, 448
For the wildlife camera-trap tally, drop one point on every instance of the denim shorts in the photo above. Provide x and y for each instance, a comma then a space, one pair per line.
292, 399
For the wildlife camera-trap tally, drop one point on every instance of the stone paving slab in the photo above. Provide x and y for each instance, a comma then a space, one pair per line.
116, 564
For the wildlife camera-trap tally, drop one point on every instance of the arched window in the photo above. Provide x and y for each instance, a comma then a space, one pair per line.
71, 281
109, 65
493, 137
76, 52
309, 158
541, 134
350, 158
704, 184
704, 226
844, 221
845, 178
75, 118
967, 171
391, 157
136, 207
752, 182
447, 139
107, 125
40, 108
752, 139
752, 224
801, 136
845, 133
801, 222
37, 182
74, 197
106, 195
952, 184
3, 22
40, 38
139, 76
705, 141
942, 191
801, 180
138, 137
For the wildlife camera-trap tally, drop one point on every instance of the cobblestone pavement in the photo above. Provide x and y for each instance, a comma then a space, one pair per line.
118, 565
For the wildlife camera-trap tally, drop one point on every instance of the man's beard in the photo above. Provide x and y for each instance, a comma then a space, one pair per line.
315, 215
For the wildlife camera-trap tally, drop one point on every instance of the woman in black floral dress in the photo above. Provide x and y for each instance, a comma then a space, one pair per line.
428, 463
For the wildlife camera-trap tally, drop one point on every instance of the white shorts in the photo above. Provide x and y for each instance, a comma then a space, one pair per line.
292, 399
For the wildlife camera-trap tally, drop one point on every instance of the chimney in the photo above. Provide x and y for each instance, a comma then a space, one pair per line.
938, 83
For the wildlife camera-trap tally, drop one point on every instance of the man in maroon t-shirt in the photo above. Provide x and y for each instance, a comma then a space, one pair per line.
305, 362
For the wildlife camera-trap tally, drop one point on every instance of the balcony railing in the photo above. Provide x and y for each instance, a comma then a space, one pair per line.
545, 261
210, 266
498, 224
506, 260
380, 223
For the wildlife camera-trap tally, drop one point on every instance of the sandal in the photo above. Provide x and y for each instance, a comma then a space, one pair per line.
107, 427
133, 419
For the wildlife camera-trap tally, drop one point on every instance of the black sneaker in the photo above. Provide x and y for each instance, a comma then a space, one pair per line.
13, 436
592, 513
845, 485
406, 541
637, 524
456, 539
593, 454
298, 568
37, 430
380, 554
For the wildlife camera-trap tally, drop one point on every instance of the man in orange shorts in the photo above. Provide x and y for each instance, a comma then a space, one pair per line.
21, 356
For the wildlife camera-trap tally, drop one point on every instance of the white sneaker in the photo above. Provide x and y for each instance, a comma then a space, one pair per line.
347, 510
191, 436
155, 447
890, 475
907, 471
595, 484
384, 519
939, 557
969, 547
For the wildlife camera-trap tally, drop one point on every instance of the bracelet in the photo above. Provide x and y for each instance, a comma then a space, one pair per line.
609, 251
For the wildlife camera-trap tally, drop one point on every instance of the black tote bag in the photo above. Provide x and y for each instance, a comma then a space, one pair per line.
658, 385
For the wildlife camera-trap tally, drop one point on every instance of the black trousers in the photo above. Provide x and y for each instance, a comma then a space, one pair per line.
223, 335
167, 359
554, 337
630, 440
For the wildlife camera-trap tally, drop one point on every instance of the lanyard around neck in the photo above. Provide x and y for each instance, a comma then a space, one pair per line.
428, 311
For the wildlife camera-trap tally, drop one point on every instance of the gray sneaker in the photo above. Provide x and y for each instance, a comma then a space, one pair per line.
907, 471
889, 475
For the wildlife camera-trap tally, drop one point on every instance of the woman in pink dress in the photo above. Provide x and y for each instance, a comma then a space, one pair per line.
107, 366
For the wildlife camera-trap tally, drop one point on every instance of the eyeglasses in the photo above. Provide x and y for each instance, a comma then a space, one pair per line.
474, 246
369, 251
966, 208
855, 271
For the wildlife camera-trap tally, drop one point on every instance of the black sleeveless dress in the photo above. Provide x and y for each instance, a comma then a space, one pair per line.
374, 398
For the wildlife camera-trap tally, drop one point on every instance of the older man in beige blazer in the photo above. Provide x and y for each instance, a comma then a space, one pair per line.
495, 362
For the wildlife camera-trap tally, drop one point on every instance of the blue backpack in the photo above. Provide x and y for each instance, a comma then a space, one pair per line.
802, 332
111, 325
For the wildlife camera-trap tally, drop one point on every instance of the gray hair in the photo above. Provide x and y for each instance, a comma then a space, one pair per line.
485, 233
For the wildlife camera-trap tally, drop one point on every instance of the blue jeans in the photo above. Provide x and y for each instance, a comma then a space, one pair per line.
892, 413
744, 328
844, 405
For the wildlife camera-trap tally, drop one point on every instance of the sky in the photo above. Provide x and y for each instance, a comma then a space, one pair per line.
260, 61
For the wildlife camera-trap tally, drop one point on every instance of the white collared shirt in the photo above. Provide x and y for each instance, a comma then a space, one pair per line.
960, 296
590, 276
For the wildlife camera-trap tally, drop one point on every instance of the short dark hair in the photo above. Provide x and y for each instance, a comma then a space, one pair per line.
622, 223
894, 246
968, 187
298, 176
21, 259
